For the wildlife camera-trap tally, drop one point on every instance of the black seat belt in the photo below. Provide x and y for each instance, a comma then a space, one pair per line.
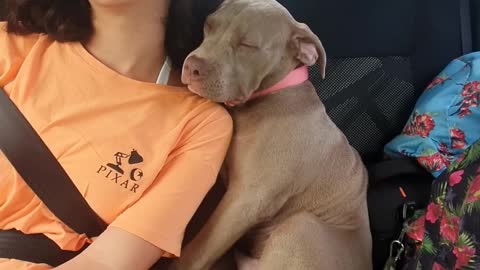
33, 248
24, 148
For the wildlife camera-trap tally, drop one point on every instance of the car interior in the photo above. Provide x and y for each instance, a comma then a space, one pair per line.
381, 56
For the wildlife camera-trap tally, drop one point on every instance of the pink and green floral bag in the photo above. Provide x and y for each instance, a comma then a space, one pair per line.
446, 235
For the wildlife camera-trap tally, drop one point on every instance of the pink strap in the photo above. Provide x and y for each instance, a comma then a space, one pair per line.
294, 78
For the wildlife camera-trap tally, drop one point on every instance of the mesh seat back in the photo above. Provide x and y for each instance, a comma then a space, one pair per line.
381, 56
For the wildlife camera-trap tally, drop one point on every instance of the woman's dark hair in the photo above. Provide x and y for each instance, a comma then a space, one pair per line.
71, 20
185, 27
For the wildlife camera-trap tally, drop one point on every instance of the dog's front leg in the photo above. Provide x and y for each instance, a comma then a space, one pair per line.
238, 212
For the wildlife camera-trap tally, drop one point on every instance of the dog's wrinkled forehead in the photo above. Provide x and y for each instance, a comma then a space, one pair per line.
250, 4
257, 11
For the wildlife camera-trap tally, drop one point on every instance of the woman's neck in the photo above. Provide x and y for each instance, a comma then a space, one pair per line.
129, 38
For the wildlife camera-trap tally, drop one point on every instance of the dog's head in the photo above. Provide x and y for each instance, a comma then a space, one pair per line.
249, 45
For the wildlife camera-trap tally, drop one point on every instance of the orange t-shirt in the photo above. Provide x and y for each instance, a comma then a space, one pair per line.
143, 155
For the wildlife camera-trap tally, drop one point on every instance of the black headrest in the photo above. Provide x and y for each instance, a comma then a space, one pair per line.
426, 29
476, 24
382, 53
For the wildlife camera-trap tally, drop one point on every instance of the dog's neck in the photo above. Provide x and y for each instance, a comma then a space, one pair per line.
294, 78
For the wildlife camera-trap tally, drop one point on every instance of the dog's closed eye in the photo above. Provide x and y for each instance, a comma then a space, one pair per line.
248, 44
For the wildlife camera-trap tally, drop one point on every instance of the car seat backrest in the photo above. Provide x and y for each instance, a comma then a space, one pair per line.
476, 24
381, 56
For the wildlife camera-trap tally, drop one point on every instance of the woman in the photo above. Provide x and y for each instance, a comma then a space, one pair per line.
84, 74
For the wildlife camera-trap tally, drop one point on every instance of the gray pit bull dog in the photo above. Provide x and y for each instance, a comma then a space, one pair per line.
296, 195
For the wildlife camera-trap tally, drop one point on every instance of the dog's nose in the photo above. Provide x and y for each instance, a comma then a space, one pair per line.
195, 68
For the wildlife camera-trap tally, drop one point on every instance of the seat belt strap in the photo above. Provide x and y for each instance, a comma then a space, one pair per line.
33, 248
39, 168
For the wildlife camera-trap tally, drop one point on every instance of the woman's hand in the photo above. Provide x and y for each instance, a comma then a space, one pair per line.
115, 249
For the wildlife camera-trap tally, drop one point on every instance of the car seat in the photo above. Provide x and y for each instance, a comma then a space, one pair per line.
382, 54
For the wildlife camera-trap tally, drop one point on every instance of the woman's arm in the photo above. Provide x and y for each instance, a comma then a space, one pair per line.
115, 249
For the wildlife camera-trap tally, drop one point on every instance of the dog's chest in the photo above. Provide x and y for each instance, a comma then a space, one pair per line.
297, 140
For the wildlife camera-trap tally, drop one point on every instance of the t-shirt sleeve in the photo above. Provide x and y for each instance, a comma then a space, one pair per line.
13, 51
161, 215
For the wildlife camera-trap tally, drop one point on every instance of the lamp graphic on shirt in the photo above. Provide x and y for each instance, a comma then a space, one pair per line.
133, 158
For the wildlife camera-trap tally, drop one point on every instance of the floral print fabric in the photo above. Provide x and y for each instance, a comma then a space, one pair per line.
446, 118
447, 233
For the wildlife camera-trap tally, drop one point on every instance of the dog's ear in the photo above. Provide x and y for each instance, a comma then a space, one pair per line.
308, 47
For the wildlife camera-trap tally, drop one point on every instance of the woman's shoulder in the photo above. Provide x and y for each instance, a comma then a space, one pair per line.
14, 49
199, 112
217, 113
211, 112
194, 102
19, 45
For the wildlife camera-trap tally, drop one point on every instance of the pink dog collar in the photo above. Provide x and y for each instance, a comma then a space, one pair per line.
294, 78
